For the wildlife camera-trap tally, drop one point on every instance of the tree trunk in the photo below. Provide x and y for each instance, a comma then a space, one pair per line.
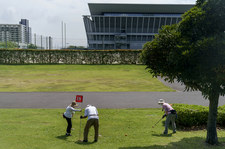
211, 124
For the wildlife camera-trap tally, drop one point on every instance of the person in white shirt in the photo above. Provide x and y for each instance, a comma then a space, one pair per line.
93, 120
68, 115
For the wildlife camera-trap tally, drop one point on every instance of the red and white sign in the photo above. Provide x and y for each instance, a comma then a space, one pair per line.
79, 98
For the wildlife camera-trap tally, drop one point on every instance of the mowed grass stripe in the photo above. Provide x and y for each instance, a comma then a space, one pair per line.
79, 78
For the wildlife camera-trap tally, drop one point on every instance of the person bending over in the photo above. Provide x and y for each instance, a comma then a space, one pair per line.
93, 120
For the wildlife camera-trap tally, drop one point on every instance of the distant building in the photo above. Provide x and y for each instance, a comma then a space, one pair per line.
128, 26
27, 30
19, 33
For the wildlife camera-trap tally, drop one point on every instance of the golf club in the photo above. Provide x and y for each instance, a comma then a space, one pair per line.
157, 122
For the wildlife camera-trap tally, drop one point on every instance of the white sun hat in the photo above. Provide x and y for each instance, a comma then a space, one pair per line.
161, 101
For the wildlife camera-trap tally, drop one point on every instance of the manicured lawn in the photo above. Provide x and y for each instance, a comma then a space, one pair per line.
87, 78
119, 129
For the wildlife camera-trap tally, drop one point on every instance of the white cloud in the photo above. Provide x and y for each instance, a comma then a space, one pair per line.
45, 16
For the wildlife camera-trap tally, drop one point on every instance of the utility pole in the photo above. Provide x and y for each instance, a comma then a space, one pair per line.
41, 41
46, 43
35, 42
65, 33
50, 42
62, 34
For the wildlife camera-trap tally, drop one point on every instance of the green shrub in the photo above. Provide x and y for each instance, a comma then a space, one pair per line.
191, 115
196, 115
221, 116
221, 108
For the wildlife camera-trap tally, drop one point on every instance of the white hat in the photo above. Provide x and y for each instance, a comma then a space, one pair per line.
88, 105
161, 101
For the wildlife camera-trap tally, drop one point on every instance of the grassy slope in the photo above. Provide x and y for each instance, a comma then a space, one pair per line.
45, 128
102, 78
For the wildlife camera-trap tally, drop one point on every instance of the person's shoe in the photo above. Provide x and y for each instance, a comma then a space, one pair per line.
165, 133
174, 131
95, 140
85, 141
68, 134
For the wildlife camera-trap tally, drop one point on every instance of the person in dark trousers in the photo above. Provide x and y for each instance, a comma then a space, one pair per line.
70, 111
93, 120
170, 115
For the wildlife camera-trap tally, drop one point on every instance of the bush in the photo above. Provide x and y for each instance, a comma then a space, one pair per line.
196, 115
191, 115
221, 116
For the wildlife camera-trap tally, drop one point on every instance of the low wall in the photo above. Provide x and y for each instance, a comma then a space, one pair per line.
70, 56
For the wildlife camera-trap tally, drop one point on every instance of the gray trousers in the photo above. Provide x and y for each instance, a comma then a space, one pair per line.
170, 118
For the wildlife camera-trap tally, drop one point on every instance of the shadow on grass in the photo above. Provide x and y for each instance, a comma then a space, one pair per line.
84, 143
185, 143
62, 137
162, 135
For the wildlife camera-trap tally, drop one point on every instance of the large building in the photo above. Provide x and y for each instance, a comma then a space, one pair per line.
128, 26
18, 33
28, 34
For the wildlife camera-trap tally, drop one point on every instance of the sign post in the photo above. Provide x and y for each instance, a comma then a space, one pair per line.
79, 98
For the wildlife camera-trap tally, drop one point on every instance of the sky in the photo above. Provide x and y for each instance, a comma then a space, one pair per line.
46, 16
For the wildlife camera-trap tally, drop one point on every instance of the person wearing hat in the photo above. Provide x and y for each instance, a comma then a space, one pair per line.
70, 111
170, 115
93, 120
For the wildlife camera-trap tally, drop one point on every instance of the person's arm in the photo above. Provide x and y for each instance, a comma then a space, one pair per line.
76, 110
166, 112
85, 114
96, 111
83, 117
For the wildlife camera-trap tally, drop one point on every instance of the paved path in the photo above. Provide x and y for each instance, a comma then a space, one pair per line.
100, 99
103, 99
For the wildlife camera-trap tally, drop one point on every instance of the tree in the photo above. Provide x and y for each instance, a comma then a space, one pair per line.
71, 47
193, 53
32, 46
10, 44
76, 47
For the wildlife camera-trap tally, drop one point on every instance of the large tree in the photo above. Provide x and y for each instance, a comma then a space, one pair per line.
193, 53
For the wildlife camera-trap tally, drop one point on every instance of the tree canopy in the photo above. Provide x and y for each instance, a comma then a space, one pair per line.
32, 46
9, 45
193, 53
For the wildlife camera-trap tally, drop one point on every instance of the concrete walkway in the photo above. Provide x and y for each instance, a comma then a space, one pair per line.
103, 99
100, 99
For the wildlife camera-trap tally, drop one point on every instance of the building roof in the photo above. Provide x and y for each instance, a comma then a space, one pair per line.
101, 8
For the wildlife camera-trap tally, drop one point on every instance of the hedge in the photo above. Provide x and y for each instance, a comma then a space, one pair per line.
69, 56
196, 115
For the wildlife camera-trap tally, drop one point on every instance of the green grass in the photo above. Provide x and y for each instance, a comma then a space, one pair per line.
79, 78
119, 129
